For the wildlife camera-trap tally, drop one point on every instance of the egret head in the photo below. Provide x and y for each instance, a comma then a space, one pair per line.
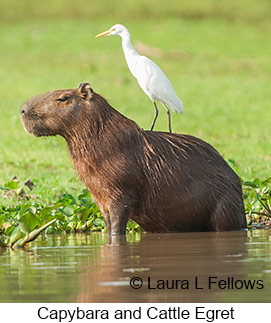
114, 30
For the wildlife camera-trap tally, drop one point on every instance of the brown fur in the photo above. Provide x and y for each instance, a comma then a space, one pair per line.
165, 182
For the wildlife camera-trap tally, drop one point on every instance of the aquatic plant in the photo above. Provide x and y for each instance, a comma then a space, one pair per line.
24, 221
257, 198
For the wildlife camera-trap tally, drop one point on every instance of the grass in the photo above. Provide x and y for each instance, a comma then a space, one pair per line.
216, 56
231, 10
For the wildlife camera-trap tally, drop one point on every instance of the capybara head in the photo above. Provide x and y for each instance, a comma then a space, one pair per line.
53, 113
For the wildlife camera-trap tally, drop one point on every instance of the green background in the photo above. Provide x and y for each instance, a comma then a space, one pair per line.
215, 53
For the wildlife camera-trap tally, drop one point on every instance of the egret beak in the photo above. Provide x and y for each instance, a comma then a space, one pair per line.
104, 33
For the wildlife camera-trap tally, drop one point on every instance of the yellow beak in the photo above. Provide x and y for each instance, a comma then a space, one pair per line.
103, 34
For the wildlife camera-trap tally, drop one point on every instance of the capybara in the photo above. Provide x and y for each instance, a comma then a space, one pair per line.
165, 182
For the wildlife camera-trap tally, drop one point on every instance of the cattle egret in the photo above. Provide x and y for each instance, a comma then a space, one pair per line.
150, 77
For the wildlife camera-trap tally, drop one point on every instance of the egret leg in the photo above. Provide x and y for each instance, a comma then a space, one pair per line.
168, 115
155, 116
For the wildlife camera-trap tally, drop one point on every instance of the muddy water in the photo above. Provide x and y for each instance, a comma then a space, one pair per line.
188, 267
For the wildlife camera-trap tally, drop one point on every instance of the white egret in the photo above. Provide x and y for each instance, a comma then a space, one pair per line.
150, 77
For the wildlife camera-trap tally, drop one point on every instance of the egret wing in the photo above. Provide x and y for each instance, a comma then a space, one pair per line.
155, 84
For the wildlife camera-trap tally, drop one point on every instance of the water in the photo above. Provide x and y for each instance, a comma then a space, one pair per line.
94, 268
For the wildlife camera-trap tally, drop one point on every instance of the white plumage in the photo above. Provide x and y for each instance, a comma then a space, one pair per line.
150, 77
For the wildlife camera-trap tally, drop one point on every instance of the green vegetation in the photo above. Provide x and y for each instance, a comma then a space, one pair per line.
216, 54
257, 196
23, 223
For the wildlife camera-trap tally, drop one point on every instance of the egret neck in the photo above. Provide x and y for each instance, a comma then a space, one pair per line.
129, 52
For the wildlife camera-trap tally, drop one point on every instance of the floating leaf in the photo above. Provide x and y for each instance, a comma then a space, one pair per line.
35, 233
24, 208
67, 210
9, 229
251, 184
83, 214
2, 219
85, 193
257, 181
99, 222
16, 235
28, 222
86, 201
48, 209
69, 199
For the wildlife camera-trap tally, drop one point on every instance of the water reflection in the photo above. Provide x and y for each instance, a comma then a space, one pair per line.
95, 268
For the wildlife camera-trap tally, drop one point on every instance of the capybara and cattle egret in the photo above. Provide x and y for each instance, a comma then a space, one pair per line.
165, 182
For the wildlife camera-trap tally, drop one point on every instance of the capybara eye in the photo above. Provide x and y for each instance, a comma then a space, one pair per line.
64, 98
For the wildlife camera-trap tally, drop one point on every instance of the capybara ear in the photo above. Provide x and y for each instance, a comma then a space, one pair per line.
85, 90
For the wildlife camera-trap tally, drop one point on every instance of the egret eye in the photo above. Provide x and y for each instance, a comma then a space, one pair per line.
64, 98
